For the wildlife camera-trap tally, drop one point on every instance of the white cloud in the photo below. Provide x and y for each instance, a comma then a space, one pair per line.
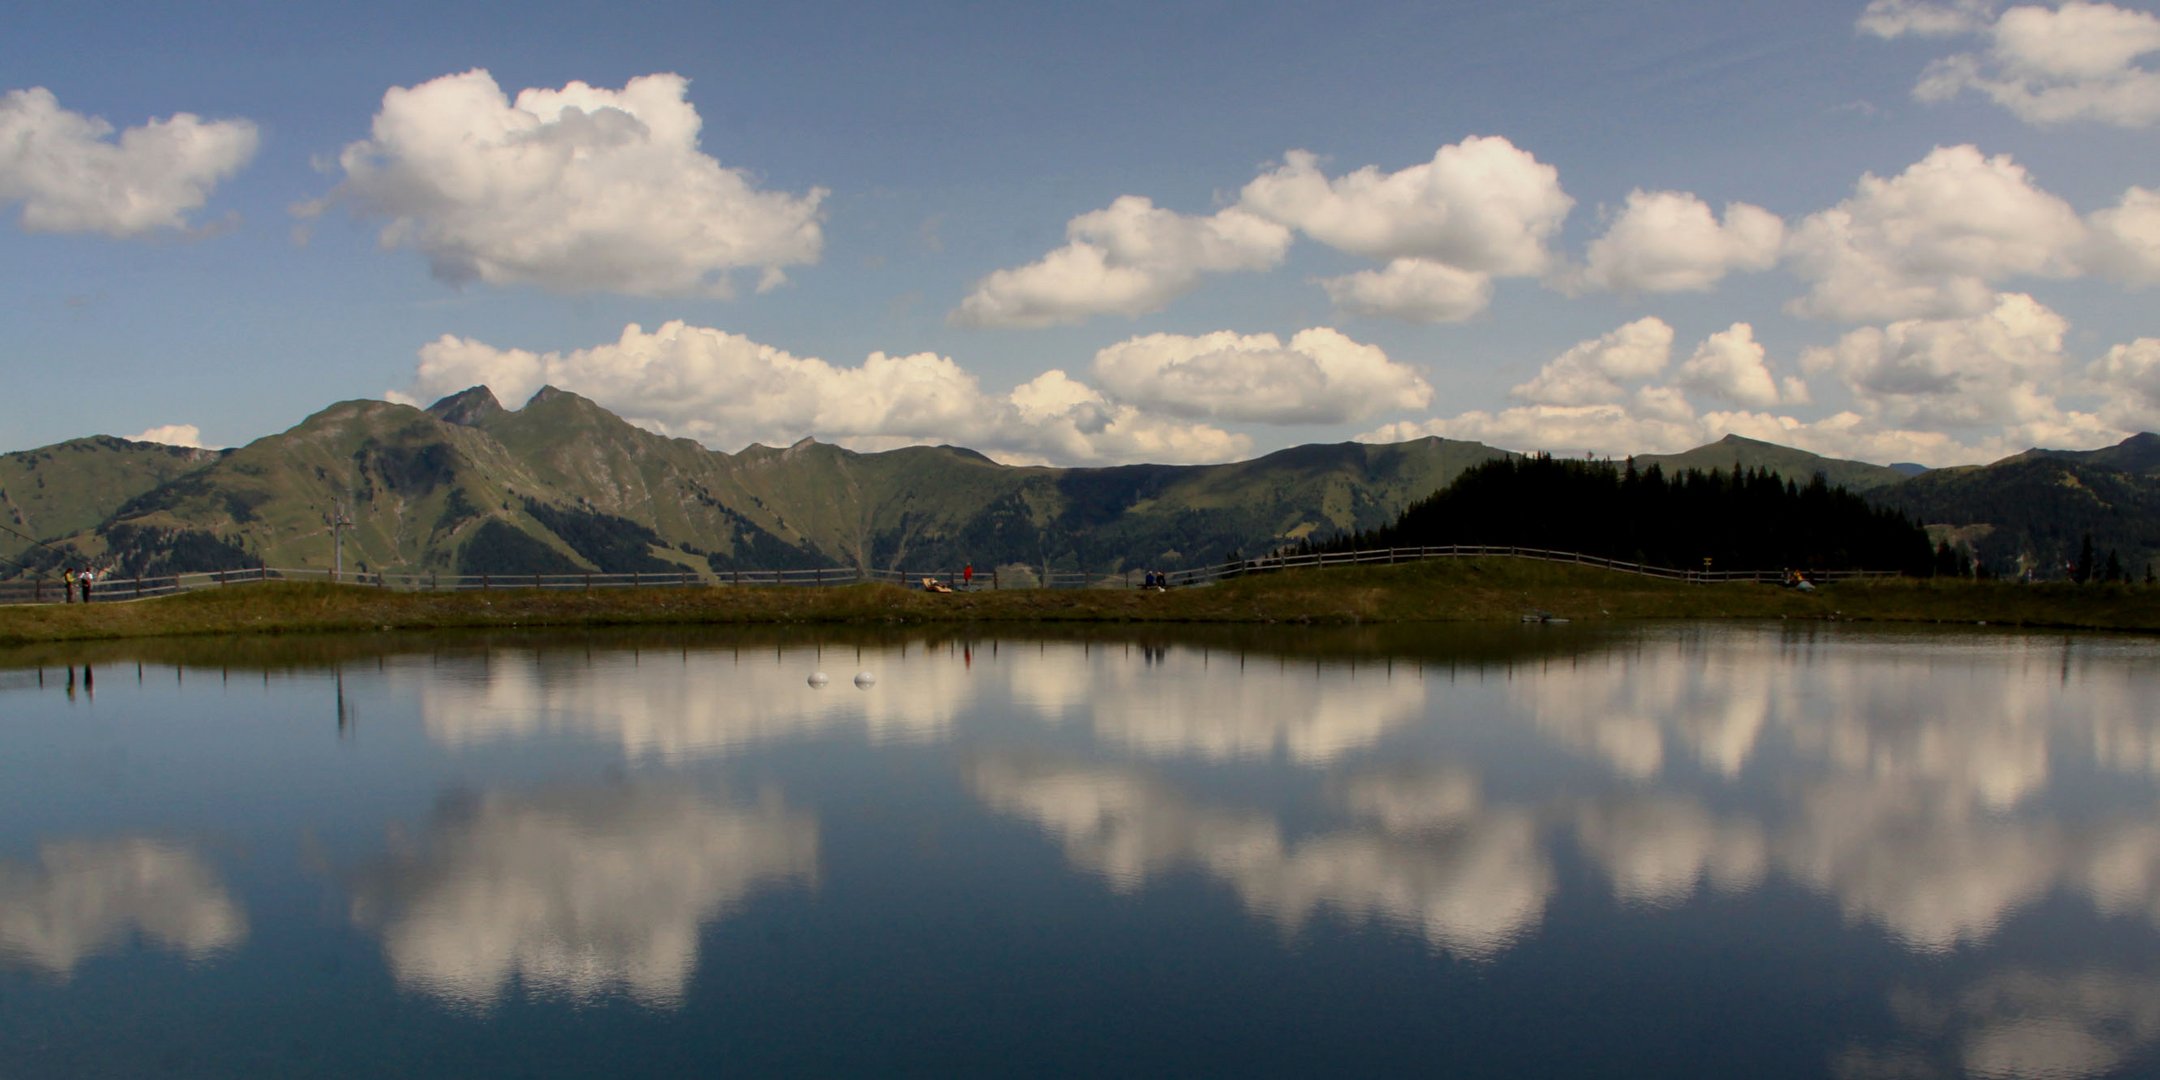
70, 175
1129, 258
1730, 366
2126, 238
1320, 377
1480, 205
1932, 241
1925, 18
2131, 375
1591, 371
2046, 65
1985, 370
727, 391
1669, 241
171, 435
1988, 378
577, 189
1416, 290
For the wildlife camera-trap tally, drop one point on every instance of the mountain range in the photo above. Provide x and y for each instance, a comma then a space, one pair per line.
561, 484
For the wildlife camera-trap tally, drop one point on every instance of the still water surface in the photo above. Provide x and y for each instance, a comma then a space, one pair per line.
1677, 850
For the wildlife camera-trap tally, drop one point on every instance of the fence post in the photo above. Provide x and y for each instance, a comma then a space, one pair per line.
483, 581
37, 589
817, 576
635, 579
738, 576
993, 579
588, 581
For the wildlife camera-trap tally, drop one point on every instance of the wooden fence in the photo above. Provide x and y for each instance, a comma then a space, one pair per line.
51, 591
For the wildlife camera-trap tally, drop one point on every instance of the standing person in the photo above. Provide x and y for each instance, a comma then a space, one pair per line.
67, 578
967, 576
83, 580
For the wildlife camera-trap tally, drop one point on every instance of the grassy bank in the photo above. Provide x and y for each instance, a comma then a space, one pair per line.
1436, 591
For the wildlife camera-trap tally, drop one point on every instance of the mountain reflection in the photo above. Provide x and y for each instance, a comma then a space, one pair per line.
577, 892
1469, 878
82, 897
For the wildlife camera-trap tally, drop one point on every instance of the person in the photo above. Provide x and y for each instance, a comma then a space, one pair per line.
967, 576
67, 578
83, 580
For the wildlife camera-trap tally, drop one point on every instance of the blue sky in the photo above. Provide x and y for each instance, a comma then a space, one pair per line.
1903, 230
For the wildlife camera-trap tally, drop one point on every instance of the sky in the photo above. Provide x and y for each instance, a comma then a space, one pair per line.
1898, 230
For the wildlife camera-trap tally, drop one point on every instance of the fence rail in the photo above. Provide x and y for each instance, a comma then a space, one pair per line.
52, 591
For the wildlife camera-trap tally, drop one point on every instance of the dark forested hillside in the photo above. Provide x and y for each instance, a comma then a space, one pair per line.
1743, 519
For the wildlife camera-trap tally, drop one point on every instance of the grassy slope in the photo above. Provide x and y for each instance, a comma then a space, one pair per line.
69, 487
1794, 465
1441, 591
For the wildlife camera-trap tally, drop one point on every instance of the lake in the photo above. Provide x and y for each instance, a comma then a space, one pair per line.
1728, 850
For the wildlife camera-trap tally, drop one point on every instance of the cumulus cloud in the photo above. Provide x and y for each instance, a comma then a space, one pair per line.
1991, 369
1480, 205
1320, 377
1914, 383
577, 189
71, 175
1129, 258
2131, 375
1591, 372
1730, 366
1932, 241
2076, 61
1669, 241
726, 390
171, 435
2125, 238
1415, 290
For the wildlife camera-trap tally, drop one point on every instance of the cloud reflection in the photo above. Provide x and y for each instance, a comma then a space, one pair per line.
81, 898
577, 892
1185, 702
2018, 1023
1469, 879
669, 705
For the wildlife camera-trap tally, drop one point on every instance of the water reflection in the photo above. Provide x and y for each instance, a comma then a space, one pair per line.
83, 897
669, 705
1174, 701
577, 892
1470, 879
2017, 1023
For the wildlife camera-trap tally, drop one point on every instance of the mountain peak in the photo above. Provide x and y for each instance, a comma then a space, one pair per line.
470, 407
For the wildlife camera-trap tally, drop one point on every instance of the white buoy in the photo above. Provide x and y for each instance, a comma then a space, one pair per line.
864, 680
818, 680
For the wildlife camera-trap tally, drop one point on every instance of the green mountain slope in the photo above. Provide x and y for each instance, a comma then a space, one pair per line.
1795, 465
2031, 512
561, 484
58, 490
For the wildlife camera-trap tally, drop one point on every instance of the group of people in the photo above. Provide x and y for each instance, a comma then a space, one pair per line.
78, 581
1155, 579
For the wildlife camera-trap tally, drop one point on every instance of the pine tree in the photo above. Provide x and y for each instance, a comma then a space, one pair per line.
2082, 571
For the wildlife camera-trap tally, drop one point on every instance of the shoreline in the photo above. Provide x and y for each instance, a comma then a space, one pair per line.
1454, 591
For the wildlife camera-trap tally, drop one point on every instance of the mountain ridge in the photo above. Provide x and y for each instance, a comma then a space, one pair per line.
466, 485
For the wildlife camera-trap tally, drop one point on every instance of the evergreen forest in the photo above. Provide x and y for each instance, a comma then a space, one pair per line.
1745, 519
